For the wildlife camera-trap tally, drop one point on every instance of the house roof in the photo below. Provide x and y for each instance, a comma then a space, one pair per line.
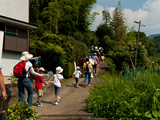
17, 23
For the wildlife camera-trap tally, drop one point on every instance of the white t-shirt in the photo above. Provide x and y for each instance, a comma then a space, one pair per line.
57, 78
77, 73
28, 65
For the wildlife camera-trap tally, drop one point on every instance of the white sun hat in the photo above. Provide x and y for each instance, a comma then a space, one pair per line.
26, 56
59, 69
41, 69
78, 67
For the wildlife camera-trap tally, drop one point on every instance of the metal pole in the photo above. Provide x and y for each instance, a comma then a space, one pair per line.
137, 43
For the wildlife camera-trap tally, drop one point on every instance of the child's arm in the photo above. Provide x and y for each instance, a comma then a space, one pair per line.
61, 81
45, 83
72, 75
50, 80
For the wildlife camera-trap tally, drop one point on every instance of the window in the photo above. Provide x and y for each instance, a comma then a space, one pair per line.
17, 42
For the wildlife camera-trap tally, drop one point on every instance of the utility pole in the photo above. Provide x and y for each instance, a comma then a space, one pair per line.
137, 40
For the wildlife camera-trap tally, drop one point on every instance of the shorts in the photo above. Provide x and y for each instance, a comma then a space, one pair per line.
39, 92
77, 80
57, 90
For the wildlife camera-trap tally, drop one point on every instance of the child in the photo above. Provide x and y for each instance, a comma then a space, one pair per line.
38, 85
77, 73
57, 82
99, 60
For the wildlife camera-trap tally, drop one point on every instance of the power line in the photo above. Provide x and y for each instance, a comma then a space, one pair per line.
153, 24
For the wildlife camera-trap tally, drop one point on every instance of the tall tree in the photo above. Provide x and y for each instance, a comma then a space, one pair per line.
118, 23
106, 17
85, 7
102, 30
52, 12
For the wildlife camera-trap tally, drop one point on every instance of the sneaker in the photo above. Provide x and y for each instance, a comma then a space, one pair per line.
39, 104
85, 85
56, 103
95, 73
77, 86
89, 85
58, 99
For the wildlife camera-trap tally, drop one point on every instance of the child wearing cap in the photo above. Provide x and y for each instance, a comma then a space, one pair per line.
38, 85
77, 73
57, 82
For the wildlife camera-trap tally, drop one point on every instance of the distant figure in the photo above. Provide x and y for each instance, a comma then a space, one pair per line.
95, 49
87, 68
82, 61
101, 50
91, 48
57, 82
77, 74
4, 95
95, 58
38, 85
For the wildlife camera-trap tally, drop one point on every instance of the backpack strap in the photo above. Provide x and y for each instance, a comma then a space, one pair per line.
57, 77
24, 63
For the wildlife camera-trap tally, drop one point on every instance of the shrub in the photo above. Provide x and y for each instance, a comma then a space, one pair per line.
68, 70
20, 111
131, 98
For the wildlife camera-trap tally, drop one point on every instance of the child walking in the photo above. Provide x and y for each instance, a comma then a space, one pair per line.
38, 85
77, 73
57, 82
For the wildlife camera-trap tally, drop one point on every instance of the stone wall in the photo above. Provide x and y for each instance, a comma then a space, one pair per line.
12, 92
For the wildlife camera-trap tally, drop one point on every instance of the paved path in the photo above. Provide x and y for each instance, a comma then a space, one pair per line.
72, 99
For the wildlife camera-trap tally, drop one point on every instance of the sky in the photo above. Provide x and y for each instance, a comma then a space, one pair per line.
146, 11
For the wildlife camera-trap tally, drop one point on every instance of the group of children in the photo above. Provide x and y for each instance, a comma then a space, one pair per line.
57, 80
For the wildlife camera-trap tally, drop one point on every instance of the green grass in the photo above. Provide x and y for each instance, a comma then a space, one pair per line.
108, 61
64, 80
126, 99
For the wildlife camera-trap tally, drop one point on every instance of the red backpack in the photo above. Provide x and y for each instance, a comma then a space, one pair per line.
19, 70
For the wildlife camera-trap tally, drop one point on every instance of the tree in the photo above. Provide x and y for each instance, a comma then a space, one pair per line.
104, 29
85, 7
69, 13
118, 23
52, 12
106, 17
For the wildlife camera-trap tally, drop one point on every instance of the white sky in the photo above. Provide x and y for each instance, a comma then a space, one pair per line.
148, 12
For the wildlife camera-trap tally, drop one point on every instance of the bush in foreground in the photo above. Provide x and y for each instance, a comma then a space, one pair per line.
126, 99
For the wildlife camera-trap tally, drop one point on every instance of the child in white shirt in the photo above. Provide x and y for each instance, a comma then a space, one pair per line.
57, 82
77, 73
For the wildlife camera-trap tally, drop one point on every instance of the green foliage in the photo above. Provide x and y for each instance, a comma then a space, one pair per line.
79, 48
52, 55
109, 61
13, 79
106, 17
52, 14
118, 23
21, 111
62, 16
68, 70
85, 7
149, 45
119, 98
57, 50
102, 30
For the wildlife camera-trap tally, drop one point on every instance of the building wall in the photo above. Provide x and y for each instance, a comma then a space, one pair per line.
9, 60
16, 9
1, 42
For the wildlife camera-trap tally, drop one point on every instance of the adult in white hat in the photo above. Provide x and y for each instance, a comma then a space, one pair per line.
26, 82
57, 82
95, 59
